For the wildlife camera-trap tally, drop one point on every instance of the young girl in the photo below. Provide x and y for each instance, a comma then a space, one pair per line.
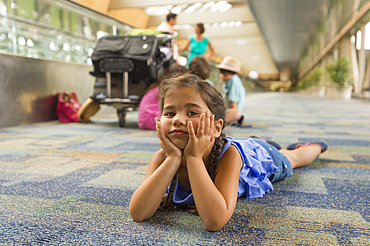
206, 170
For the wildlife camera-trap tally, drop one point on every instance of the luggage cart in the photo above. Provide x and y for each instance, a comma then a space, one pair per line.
125, 66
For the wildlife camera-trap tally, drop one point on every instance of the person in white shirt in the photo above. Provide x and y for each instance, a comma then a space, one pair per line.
167, 26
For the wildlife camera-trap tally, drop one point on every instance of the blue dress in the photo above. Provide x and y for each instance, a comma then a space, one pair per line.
254, 175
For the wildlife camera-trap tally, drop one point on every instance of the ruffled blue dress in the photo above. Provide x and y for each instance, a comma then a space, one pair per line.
254, 176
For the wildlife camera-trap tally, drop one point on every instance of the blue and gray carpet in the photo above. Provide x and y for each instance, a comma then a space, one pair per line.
70, 184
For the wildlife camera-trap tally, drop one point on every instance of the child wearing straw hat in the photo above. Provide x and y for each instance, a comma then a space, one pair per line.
233, 89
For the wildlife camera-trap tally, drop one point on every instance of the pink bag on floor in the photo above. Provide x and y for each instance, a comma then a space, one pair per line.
68, 107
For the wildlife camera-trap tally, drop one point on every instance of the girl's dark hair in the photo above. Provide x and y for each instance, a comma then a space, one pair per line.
201, 27
173, 70
200, 67
215, 102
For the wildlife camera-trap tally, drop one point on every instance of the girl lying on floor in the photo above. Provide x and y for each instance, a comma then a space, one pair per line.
199, 168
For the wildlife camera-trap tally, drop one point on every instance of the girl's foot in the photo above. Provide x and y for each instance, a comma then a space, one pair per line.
323, 145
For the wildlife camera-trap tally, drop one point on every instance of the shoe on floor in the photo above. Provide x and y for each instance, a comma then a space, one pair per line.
321, 143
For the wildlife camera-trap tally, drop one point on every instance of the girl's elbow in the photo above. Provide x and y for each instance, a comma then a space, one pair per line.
212, 227
138, 217
215, 224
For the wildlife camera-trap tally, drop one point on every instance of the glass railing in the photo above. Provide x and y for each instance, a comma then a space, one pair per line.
56, 30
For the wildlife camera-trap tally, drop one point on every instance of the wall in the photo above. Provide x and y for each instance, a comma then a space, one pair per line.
27, 86
134, 17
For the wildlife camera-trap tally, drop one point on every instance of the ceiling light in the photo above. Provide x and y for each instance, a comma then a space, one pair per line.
231, 23
149, 11
176, 10
197, 5
215, 7
168, 7
179, 8
225, 7
189, 9
156, 11
253, 74
216, 24
221, 6
207, 5
164, 10
224, 24
238, 23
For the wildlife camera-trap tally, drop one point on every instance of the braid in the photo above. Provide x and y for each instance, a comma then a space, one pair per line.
215, 154
211, 166
216, 104
167, 203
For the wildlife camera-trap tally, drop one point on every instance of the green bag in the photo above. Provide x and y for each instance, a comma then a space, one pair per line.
141, 32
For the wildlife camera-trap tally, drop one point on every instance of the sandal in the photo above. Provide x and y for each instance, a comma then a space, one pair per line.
323, 145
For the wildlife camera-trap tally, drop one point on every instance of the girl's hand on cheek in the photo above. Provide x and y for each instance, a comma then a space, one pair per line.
198, 143
169, 148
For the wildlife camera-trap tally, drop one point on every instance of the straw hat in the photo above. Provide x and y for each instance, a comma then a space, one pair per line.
230, 63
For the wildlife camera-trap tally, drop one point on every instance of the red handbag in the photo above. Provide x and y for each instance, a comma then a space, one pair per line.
67, 108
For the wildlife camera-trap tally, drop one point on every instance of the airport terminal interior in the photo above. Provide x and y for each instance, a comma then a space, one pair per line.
67, 176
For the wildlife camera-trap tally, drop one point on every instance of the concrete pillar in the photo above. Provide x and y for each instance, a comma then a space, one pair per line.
355, 5
344, 47
356, 76
336, 53
361, 61
366, 83
333, 21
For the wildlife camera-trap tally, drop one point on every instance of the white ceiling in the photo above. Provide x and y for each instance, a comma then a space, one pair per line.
244, 42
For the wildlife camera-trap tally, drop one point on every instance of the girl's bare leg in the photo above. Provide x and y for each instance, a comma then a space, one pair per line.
302, 156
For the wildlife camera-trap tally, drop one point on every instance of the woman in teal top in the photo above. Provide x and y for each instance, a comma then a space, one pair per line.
198, 44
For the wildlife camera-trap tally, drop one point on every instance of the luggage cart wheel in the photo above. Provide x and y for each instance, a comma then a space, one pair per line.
121, 117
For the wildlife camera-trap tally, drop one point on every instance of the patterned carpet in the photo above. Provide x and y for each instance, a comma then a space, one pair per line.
70, 184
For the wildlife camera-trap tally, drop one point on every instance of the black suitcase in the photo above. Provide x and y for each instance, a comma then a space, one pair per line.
135, 60
138, 55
